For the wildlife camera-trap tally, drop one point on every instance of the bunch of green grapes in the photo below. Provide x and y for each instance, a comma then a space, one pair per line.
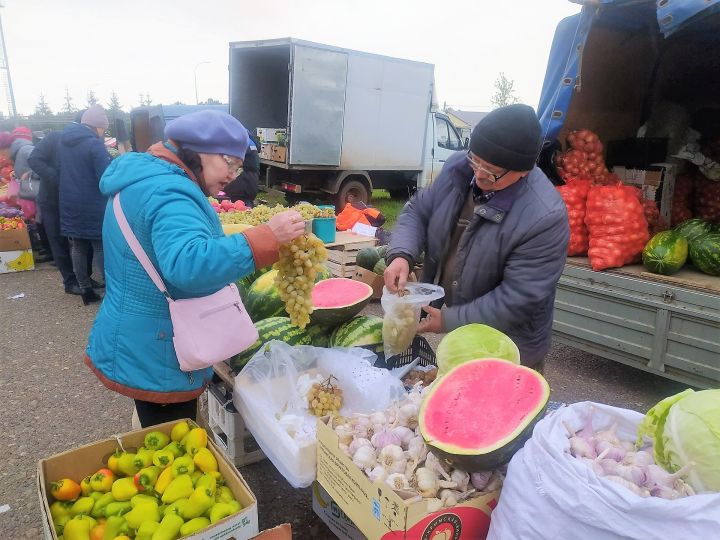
399, 326
325, 398
299, 263
306, 210
326, 212
234, 217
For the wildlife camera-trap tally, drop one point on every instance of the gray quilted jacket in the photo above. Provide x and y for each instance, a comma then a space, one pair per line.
509, 258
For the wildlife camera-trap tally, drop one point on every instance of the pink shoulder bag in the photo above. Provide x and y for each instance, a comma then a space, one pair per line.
206, 330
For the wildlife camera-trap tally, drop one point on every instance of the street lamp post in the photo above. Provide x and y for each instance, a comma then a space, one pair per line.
195, 77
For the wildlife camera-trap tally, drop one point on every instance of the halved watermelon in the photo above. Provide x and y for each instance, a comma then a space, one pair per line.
338, 300
474, 341
482, 412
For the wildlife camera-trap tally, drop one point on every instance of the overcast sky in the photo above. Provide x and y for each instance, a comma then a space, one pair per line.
154, 46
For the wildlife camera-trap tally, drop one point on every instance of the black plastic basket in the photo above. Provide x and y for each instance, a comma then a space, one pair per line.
419, 348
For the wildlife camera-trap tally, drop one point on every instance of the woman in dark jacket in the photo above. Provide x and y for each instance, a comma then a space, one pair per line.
83, 160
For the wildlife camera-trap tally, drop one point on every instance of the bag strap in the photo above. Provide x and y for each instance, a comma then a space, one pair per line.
137, 248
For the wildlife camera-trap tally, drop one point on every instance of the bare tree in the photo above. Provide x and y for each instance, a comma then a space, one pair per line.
504, 92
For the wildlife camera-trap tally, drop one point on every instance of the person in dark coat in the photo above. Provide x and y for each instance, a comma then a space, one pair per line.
495, 233
83, 160
245, 187
44, 161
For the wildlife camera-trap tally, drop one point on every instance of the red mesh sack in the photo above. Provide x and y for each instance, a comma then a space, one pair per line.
616, 225
574, 193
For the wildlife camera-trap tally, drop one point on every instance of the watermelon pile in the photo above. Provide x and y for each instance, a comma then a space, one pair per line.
372, 258
665, 253
334, 322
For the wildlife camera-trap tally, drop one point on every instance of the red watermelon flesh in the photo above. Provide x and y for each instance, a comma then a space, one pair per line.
337, 300
481, 412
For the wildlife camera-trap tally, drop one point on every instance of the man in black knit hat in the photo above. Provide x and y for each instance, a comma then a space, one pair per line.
495, 232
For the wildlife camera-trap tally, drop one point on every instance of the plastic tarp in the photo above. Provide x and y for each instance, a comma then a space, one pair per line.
565, 59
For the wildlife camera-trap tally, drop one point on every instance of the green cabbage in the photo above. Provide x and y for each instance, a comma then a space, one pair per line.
472, 342
685, 428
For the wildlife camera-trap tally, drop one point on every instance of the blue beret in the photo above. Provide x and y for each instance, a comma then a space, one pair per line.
209, 132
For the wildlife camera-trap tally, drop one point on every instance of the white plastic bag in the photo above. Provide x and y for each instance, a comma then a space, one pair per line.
550, 494
402, 314
270, 393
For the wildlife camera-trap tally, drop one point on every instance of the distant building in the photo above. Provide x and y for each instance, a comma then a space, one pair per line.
465, 121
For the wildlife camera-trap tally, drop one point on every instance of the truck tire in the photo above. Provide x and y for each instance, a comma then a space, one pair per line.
352, 189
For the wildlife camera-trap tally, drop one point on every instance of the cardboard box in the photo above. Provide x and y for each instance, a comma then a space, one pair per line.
281, 532
381, 514
279, 153
333, 516
15, 240
80, 462
659, 177
266, 150
376, 281
16, 261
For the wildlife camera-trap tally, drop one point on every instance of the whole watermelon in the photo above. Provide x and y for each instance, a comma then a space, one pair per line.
268, 329
262, 299
705, 253
319, 335
379, 268
367, 258
244, 284
665, 253
360, 331
692, 228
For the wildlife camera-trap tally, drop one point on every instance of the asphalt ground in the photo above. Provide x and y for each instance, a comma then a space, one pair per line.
51, 402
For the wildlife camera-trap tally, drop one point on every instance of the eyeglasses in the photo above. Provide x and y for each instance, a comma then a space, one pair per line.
234, 164
476, 167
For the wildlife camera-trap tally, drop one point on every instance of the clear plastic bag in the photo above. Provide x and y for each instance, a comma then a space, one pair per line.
271, 394
402, 314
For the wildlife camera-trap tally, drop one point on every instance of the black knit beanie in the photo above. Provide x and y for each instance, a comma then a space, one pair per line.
509, 137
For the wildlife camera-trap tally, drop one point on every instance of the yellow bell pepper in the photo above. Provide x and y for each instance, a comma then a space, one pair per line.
176, 507
113, 461
195, 440
78, 528
164, 480
163, 458
207, 481
222, 510
176, 448
141, 513
169, 528
142, 498
179, 430
60, 509
144, 457
146, 478
193, 526
127, 464
85, 487
205, 461
123, 489
102, 480
224, 494
117, 508
83, 505
183, 465
115, 526
146, 530
155, 440
179, 488
199, 502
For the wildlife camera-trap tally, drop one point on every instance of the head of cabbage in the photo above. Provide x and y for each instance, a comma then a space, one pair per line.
472, 342
685, 428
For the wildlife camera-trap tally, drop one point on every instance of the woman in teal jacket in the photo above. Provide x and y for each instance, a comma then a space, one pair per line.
164, 197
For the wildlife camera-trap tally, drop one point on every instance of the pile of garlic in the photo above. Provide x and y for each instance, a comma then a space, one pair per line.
388, 447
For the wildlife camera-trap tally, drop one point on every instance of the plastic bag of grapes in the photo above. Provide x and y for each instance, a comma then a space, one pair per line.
402, 314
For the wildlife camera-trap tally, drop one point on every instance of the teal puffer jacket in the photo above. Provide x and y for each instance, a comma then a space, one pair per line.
130, 346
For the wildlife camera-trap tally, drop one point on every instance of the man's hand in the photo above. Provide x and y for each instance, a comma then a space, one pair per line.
431, 323
396, 274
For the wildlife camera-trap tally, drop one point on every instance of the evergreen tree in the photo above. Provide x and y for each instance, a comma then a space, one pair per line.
91, 99
42, 108
114, 103
68, 105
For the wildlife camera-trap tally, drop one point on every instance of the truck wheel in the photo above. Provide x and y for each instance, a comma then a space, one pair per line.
352, 191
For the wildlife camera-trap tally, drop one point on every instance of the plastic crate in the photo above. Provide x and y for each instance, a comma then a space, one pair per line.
228, 427
419, 348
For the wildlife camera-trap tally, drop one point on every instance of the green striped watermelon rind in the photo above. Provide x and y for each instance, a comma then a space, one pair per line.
692, 228
279, 328
665, 253
705, 253
360, 331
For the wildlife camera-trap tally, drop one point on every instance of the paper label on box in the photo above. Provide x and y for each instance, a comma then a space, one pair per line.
332, 515
365, 230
